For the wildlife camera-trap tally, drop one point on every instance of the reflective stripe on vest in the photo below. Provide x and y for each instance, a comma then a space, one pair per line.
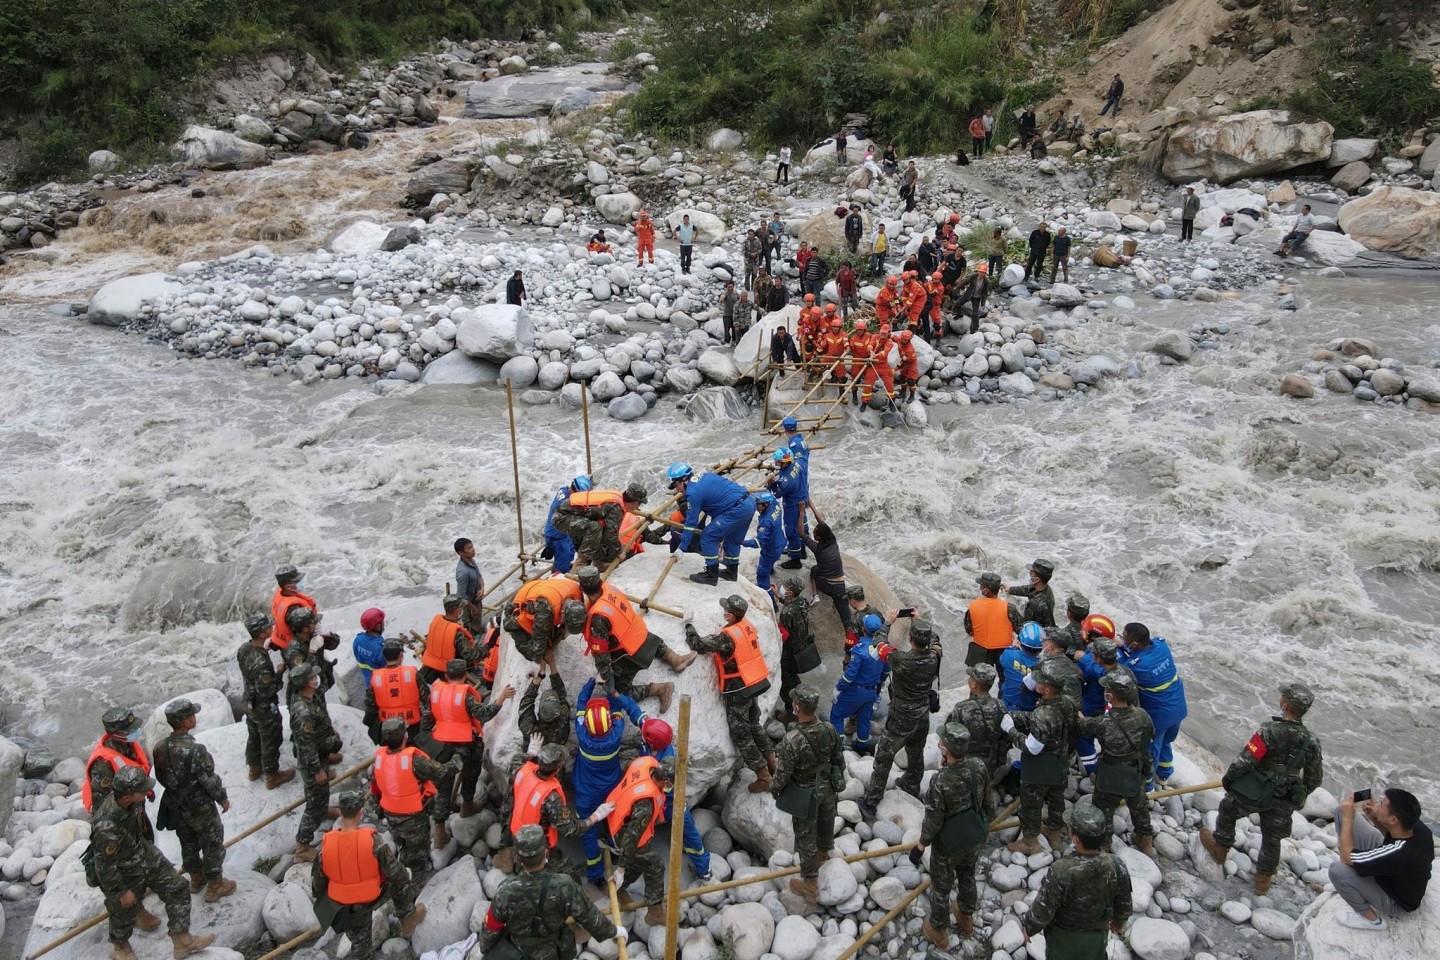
637, 785
347, 858
627, 627
531, 791
555, 589
401, 791
397, 694
279, 606
747, 664
1166, 685
116, 759
440, 642
990, 623
449, 706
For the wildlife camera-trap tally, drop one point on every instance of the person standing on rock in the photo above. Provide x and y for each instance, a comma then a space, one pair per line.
742, 677
599, 728
769, 538
1016, 663
639, 807
847, 288
730, 509
404, 784
795, 639
644, 239
1112, 97
728, 300
194, 798
958, 809
977, 137
559, 548
1077, 608
287, 596
515, 286
879, 246
913, 674
791, 484
858, 689
308, 646
127, 863
1280, 766
777, 296
782, 169
1188, 212
354, 872
263, 729
446, 639
1054, 658
990, 622
907, 375
1040, 599
316, 745
774, 237
972, 290
854, 228
809, 773
995, 253
812, 278
685, 233
782, 347
982, 715
1096, 663
908, 180
1085, 893
1123, 769
840, 144
368, 648
119, 747
395, 692
621, 642
1162, 692
538, 799
657, 739
751, 250
1045, 754
1039, 244
744, 317
530, 910
469, 584
459, 716
1061, 256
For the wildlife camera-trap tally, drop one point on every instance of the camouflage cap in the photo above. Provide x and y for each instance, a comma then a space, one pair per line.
854, 592
300, 616
550, 757
120, 720
1121, 684
257, 622
806, 696
178, 711
735, 605
392, 647
452, 601
1104, 650
589, 577
793, 586
923, 633
990, 580
572, 615
1044, 569
1079, 603
955, 737
665, 770
287, 573
1047, 675
983, 674
351, 802
130, 780
392, 732
550, 707
1088, 821
302, 674
1300, 696
636, 493
456, 667
530, 842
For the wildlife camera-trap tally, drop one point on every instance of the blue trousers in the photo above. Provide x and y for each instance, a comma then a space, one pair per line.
1167, 728
766, 567
1111, 104
585, 803
695, 850
794, 543
852, 701
725, 532
564, 549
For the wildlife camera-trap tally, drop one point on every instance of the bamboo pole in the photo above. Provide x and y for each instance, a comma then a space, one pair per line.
585, 418
677, 830
515, 467
885, 921
645, 604
614, 902
290, 944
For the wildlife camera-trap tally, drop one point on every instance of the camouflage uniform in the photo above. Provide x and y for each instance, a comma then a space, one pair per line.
545, 630
1052, 722
412, 830
1039, 605
912, 676
193, 794
1124, 734
1288, 754
742, 712
263, 729
102, 773
530, 910
981, 716
595, 530
555, 730
372, 709
1080, 897
126, 859
617, 669
357, 920
795, 629
811, 756
641, 861
298, 655
472, 757
958, 787
313, 738
1072, 681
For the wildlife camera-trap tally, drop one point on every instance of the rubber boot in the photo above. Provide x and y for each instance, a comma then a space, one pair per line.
411, 920
1026, 845
146, 920
709, 576
868, 812
1262, 883
666, 693
469, 808
762, 781
188, 943
785, 716
807, 887
305, 852
678, 661
964, 922
279, 778
505, 859
1218, 852
218, 889
441, 836
122, 951
197, 881
655, 914
941, 938
794, 563
255, 772
1146, 845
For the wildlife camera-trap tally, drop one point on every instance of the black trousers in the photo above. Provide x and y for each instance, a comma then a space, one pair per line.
686, 250
1187, 229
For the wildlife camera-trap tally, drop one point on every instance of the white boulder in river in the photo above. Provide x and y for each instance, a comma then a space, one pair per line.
1319, 934
1245, 145
119, 301
495, 331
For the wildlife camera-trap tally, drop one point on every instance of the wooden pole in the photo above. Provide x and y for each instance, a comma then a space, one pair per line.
515, 467
645, 605
884, 921
585, 418
290, 944
614, 902
677, 830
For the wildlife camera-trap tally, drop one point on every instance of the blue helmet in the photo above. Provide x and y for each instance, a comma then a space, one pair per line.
765, 497
581, 484
1032, 635
871, 623
790, 423
782, 455
679, 471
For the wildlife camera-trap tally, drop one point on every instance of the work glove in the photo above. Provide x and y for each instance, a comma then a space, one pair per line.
1007, 723
317, 644
601, 812
619, 878
537, 740
1034, 746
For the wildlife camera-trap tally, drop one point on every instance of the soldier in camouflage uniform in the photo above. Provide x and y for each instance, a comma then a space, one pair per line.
642, 860
982, 714
913, 674
1049, 739
263, 729
1124, 733
1052, 654
961, 785
192, 793
356, 920
411, 830
547, 713
1084, 894
126, 863
316, 744
811, 756
1283, 760
547, 629
529, 910
307, 646
613, 665
742, 713
1040, 602
595, 528
795, 635
470, 753
1077, 608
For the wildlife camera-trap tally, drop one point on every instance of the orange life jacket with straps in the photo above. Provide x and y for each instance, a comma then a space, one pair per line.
440, 642
628, 632
401, 791
746, 667
555, 589
116, 759
637, 785
529, 796
281, 605
448, 705
347, 858
397, 694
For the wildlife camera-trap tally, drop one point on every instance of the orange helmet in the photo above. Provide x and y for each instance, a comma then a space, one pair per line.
809, 298
1099, 625
892, 280
906, 335
597, 717
984, 268
884, 329
861, 326
936, 275
954, 218
836, 324
830, 308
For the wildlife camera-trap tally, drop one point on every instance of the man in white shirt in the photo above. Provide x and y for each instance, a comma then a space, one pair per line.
783, 170
1303, 225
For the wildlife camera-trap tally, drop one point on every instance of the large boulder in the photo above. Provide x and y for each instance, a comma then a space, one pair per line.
362, 236
717, 403
826, 232
751, 929
118, 302
824, 151
1351, 149
712, 756
442, 176
217, 150
215, 711
1429, 163
495, 331
1397, 220
179, 591
1245, 145
449, 898
718, 366
533, 93
12, 758
753, 820
708, 227
1352, 176
618, 207
725, 139
1325, 247
1319, 934
457, 368
756, 341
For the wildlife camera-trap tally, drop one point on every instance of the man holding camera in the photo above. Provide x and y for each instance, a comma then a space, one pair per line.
1386, 855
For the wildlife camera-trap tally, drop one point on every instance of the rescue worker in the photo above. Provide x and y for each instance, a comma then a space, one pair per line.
620, 641
447, 639
858, 689
913, 674
880, 363
639, 802
862, 371
308, 646
769, 537
263, 729
1162, 692
1095, 664
907, 376
834, 346
858, 608
316, 745
730, 509
743, 676
635, 529
991, 623
117, 748
559, 548
791, 484
799, 449
592, 519
1077, 608
396, 691
811, 763
369, 650
1280, 766
644, 239
932, 321
533, 617
982, 715
459, 717
1052, 655
547, 713
194, 797
1084, 894
1045, 756
127, 863
1123, 730
657, 740
795, 640
539, 799
958, 810
530, 911
1015, 665
405, 782
287, 596
1040, 599
912, 295
599, 728
887, 301
354, 871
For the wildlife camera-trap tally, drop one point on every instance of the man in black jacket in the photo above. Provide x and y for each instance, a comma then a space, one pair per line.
854, 228
1112, 97
1039, 245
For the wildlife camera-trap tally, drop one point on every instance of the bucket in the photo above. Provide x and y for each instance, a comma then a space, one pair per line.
1130, 246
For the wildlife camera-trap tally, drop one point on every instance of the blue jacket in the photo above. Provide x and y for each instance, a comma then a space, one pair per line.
560, 498
368, 653
1015, 663
712, 495
770, 530
800, 450
1162, 693
790, 483
597, 764
1092, 701
865, 668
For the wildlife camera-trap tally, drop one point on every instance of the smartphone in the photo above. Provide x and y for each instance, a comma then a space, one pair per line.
1362, 795
906, 612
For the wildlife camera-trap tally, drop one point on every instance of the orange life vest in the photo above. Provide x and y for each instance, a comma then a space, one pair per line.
627, 628
860, 345
116, 759
632, 526
492, 659
440, 642
747, 664
279, 606
529, 795
397, 694
401, 791
990, 623
595, 498
555, 589
835, 344
637, 785
448, 705
347, 858
914, 299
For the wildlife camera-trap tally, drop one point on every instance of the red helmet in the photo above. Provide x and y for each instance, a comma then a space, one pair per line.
830, 308
905, 335
597, 717
809, 298
657, 734
936, 275
884, 329
891, 280
1099, 625
861, 326
954, 218
836, 323
372, 620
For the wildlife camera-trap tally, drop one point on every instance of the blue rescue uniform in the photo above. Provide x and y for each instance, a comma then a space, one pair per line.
1162, 695
560, 544
598, 768
729, 508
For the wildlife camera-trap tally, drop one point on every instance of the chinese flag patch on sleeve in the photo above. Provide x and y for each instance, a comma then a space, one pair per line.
1257, 747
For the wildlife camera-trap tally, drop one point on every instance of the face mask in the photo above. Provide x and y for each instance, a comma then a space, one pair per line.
300, 585
133, 735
